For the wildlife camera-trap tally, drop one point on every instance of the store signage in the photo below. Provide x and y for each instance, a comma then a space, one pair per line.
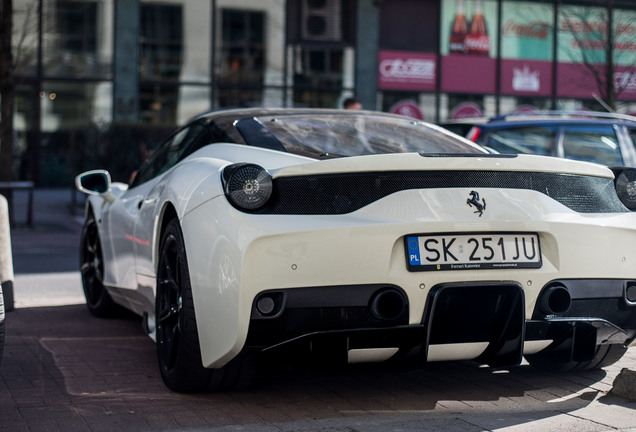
526, 77
625, 81
468, 74
466, 110
576, 81
582, 34
407, 108
513, 28
467, 46
401, 70
526, 31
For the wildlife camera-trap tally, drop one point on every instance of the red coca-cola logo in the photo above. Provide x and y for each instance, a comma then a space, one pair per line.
477, 44
532, 30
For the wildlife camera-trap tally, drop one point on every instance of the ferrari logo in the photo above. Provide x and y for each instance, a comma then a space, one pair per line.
473, 201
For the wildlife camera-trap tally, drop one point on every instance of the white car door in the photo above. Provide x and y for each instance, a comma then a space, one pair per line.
118, 240
149, 205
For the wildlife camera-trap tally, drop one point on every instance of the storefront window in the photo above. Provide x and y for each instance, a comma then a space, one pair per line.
242, 55
625, 55
468, 40
318, 76
73, 117
527, 54
78, 42
161, 42
22, 122
25, 37
320, 35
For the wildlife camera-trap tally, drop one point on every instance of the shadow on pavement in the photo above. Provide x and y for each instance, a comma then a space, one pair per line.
66, 370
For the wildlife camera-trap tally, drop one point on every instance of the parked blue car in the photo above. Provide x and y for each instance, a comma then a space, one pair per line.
603, 138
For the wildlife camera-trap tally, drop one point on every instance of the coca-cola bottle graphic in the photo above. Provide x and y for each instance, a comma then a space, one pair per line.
459, 30
477, 41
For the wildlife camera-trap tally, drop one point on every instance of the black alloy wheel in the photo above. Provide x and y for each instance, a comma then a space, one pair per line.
178, 349
98, 300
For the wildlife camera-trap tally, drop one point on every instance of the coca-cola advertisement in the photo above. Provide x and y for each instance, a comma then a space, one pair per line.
527, 49
526, 31
467, 33
468, 46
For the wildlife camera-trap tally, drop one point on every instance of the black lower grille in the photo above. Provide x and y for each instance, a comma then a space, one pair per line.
313, 310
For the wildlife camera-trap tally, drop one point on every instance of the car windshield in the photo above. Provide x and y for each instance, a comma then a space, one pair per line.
354, 135
525, 140
592, 143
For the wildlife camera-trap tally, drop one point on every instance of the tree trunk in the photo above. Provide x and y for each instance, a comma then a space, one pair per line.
7, 92
609, 59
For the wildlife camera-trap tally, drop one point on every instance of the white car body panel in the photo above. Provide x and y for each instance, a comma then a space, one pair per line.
234, 256
301, 248
300, 252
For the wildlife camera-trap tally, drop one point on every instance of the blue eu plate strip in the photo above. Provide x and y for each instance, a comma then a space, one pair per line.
414, 250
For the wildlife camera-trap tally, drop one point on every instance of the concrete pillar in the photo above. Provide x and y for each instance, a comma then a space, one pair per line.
367, 40
126, 61
6, 255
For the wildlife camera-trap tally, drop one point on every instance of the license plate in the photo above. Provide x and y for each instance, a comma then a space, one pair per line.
472, 251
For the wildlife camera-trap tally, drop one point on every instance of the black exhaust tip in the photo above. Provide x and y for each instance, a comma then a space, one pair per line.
630, 292
555, 300
388, 304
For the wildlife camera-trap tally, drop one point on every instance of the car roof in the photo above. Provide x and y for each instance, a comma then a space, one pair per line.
262, 112
560, 118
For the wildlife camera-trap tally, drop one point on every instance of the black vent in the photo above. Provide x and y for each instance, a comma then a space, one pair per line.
345, 193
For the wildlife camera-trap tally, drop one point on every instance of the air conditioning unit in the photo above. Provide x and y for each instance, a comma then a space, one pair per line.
321, 20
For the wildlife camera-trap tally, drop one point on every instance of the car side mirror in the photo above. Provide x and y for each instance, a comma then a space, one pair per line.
96, 182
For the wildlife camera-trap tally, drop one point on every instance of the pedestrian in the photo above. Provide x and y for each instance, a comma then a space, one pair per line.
352, 103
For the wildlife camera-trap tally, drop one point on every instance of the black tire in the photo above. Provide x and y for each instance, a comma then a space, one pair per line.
98, 300
606, 355
178, 349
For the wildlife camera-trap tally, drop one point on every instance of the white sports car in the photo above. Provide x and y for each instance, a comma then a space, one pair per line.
360, 236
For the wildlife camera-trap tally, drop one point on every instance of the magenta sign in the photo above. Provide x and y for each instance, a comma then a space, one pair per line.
526, 77
466, 110
407, 108
468, 74
577, 81
625, 82
403, 70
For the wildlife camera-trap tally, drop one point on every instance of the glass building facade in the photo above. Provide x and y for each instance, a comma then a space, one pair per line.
100, 83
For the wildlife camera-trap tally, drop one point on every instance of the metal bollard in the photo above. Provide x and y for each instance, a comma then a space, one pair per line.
6, 256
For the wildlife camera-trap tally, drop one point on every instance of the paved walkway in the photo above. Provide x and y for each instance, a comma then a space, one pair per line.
64, 370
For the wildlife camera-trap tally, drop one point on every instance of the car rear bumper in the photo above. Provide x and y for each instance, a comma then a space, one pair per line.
347, 258
482, 321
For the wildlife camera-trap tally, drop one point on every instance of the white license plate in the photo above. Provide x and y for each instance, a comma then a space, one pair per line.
472, 251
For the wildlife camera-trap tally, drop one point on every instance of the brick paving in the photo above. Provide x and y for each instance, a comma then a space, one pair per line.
64, 370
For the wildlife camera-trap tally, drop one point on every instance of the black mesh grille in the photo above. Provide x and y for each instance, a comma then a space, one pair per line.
613, 310
348, 192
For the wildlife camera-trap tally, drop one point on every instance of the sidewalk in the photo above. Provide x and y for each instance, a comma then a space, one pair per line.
46, 257
65, 370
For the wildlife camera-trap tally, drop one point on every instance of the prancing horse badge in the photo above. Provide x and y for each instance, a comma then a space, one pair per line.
473, 201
